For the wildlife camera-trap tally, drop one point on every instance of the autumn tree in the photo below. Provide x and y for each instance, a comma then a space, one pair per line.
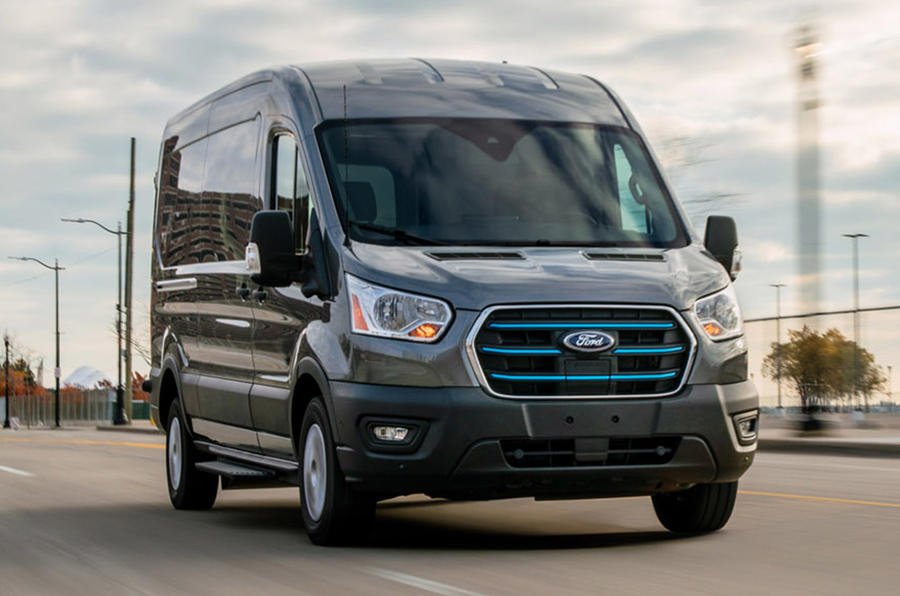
823, 366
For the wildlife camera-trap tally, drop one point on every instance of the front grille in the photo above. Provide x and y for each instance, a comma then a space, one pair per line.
563, 453
521, 353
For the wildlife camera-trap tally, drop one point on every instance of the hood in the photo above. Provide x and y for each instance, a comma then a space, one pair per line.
675, 277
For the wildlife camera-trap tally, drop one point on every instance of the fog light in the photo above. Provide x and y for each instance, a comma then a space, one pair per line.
390, 434
746, 425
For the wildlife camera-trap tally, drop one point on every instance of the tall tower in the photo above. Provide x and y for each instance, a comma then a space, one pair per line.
806, 48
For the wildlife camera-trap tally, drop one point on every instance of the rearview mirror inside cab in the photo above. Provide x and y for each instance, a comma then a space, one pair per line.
722, 241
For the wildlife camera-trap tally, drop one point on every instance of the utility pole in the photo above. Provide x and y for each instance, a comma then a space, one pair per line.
778, 336
118, 416
56, 371
855, 239
6, 403
129, 274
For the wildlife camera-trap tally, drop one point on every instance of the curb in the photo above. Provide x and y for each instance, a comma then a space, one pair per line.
831, 447
147, 430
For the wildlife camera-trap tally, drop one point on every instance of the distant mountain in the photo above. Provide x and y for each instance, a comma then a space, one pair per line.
86, 377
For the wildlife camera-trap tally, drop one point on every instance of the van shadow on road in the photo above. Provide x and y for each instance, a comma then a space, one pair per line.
272, 527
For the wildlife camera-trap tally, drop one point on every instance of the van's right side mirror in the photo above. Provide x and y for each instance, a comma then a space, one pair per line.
273, 235
722, 241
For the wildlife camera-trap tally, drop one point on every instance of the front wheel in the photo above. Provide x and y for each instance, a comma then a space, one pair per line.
333, 512
699, 509
189, 488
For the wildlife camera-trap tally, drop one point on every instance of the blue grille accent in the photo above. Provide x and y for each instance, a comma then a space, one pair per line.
576, 325
649, 351
513, 351
611, 377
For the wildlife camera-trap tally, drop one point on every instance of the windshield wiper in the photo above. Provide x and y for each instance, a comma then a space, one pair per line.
397, 233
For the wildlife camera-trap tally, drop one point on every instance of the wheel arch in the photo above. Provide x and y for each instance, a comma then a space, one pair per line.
310, 382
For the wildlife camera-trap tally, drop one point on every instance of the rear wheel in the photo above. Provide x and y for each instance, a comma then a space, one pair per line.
699, 509
189, 488
333, 512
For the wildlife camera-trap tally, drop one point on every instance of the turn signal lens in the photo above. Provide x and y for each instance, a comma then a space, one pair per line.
359, 320
425, 331
712, 329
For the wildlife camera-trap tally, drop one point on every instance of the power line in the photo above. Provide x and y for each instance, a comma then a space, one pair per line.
825, 313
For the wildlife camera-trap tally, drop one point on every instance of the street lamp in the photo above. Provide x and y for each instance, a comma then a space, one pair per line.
855, 238
56, 372
6, 368
119, 413
778, 334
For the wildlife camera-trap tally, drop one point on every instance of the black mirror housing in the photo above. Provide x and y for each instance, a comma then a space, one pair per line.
721, 240
273, 235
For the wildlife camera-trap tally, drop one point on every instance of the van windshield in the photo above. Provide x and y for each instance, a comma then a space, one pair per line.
496, 182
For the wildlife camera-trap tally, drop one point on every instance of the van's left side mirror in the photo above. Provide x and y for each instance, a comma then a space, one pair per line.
722, 241
273, 235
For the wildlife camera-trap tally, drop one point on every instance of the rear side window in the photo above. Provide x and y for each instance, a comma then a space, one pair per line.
230, 194
181, 183
289, 186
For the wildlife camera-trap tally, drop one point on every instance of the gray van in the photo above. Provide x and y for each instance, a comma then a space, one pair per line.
462, 279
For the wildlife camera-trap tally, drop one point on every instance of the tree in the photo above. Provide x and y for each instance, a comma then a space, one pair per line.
822, 367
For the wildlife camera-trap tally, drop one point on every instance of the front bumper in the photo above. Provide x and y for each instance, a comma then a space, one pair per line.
458, 453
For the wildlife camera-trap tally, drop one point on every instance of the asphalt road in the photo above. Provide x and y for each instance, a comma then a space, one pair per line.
85, 512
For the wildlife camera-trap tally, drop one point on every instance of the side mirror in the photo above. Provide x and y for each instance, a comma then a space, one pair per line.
273, 235
721, 240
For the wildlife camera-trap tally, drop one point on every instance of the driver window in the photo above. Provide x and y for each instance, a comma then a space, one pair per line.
289, 186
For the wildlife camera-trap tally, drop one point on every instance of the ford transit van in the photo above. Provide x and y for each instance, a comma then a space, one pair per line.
462, 279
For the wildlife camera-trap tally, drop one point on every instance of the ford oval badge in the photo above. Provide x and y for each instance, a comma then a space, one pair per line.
589, 341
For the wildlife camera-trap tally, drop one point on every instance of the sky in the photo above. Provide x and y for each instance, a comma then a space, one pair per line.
711, 83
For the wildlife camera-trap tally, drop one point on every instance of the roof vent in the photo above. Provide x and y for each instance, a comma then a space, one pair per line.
476, 256
624, 256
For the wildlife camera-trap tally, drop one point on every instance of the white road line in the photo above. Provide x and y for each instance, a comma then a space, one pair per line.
421, 583
15, 471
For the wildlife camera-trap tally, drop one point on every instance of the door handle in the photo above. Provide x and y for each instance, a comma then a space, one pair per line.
260, 294
243, 291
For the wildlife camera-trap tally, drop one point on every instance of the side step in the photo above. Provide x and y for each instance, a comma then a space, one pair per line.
231, 470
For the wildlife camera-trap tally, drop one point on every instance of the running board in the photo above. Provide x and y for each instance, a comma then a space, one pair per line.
255, 459
236, 471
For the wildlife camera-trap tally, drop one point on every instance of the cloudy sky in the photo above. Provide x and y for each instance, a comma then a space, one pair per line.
711, 83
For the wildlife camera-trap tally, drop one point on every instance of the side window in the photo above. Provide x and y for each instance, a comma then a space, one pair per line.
180, 186
632, 210
230, 194
289, 186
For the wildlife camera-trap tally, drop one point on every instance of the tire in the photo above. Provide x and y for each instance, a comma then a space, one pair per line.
332, 511
697, 510
189, 488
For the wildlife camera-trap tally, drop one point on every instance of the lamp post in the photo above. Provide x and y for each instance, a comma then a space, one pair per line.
56, 372
118, 417
855, 238
6, 367
778, 336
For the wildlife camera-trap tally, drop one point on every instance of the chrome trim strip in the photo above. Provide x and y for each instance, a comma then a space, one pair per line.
475, 365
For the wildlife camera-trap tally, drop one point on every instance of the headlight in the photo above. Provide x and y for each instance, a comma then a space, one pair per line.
390, 313
720, 315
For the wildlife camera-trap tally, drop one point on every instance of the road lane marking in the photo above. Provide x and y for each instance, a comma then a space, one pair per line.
15, 471
421, 583
84, 442
761, 493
